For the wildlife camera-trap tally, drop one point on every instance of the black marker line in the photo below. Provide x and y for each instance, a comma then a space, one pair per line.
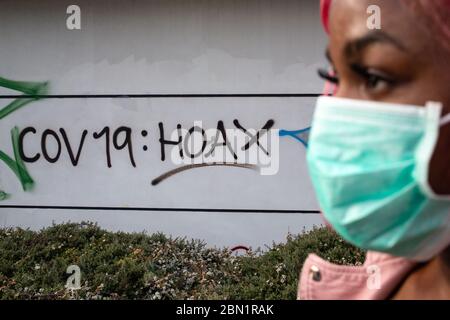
173, 172
218, 210
170, 95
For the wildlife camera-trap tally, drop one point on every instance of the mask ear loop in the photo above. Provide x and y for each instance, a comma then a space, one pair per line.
426, 150
445, 120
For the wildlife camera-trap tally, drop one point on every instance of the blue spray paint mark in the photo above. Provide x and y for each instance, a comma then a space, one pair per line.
301, 135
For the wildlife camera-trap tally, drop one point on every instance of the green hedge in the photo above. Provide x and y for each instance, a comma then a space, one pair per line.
140, 266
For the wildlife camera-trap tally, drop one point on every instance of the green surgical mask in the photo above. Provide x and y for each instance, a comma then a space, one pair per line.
369, 164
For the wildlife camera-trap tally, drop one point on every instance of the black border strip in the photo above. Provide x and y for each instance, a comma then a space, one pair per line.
219, 210
212, 95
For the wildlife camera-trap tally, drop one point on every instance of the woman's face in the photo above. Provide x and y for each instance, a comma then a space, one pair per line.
400, 63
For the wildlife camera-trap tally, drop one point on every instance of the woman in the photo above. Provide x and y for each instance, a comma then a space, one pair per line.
379, 150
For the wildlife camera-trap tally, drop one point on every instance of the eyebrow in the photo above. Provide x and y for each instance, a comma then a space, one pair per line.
377, 36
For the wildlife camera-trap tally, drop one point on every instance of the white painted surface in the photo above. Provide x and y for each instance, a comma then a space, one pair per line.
92, 183
165, 46
168, 47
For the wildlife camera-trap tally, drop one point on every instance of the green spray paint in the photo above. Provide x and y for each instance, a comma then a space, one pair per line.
33, 91
3, 195
16, 164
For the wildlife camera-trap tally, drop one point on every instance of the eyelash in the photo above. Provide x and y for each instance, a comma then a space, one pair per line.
371, 78
324, 74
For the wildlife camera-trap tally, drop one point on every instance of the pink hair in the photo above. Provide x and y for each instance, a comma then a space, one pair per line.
329, 88
325, 12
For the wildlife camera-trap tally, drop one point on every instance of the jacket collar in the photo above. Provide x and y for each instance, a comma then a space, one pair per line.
376, 279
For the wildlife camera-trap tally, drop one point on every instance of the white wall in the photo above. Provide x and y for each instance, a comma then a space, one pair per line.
166, 46
174, 47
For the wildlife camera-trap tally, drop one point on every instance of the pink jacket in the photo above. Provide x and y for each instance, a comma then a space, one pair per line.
376, 279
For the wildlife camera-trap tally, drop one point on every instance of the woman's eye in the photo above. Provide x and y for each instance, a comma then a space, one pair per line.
373, 80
